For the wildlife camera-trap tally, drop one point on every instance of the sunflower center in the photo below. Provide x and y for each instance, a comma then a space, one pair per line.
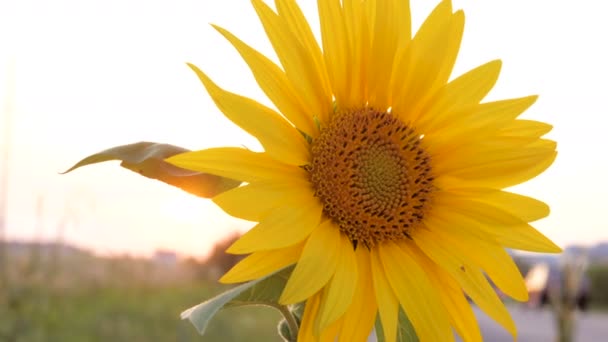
372, 175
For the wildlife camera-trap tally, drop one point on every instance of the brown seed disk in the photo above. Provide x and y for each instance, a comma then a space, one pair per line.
372, 175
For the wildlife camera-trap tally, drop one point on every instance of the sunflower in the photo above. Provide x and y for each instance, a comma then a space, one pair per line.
381, 179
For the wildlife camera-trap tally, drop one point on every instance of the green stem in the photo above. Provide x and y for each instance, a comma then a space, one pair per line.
290, 319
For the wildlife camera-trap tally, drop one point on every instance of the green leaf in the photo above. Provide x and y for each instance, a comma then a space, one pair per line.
405, 330
263, 291
148, 159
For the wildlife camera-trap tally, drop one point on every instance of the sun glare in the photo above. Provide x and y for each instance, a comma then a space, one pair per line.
183, 209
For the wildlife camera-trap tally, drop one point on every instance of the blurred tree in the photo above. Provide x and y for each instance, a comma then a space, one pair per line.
219, 262
598, 276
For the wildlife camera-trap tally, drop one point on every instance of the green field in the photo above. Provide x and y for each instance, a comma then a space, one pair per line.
73, 295
126, 314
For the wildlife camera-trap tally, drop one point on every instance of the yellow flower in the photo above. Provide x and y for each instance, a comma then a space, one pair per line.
380, 179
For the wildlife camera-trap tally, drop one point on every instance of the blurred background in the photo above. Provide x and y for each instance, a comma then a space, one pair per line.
104, 254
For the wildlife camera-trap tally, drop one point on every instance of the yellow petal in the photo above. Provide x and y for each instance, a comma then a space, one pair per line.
298, 25
359, 320
425, 64
358, 19
273, 81
435, 29
330, 334
311, 312
416, 294
476, 123
283, 226
316, 266
280, 139
519, 153
238, 163
253, 201
461, 315
512, 169
486, 254
403, 22
261, 264
526, 128
527, 238
311, 309
524, 207
499, 266
298, 62
384, 46
401, 56
452, 47
338, 294
336, 48
294, 18
388, 305
463, 92
469, 278
492, 149
483, 294
508, 230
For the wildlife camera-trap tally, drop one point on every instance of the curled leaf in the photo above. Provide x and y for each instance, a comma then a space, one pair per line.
148, 159
263, 291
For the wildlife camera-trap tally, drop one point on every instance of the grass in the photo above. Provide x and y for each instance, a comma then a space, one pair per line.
127, 314
64, 294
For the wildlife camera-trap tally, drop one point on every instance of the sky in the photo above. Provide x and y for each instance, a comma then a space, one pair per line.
77, 77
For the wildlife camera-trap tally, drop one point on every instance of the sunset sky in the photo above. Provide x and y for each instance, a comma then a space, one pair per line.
78, 77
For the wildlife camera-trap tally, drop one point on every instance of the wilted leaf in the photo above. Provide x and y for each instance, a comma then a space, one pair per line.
405, 330
263, 291
148, 159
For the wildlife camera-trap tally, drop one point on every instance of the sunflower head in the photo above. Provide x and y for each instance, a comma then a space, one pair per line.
372, 175
380, 179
